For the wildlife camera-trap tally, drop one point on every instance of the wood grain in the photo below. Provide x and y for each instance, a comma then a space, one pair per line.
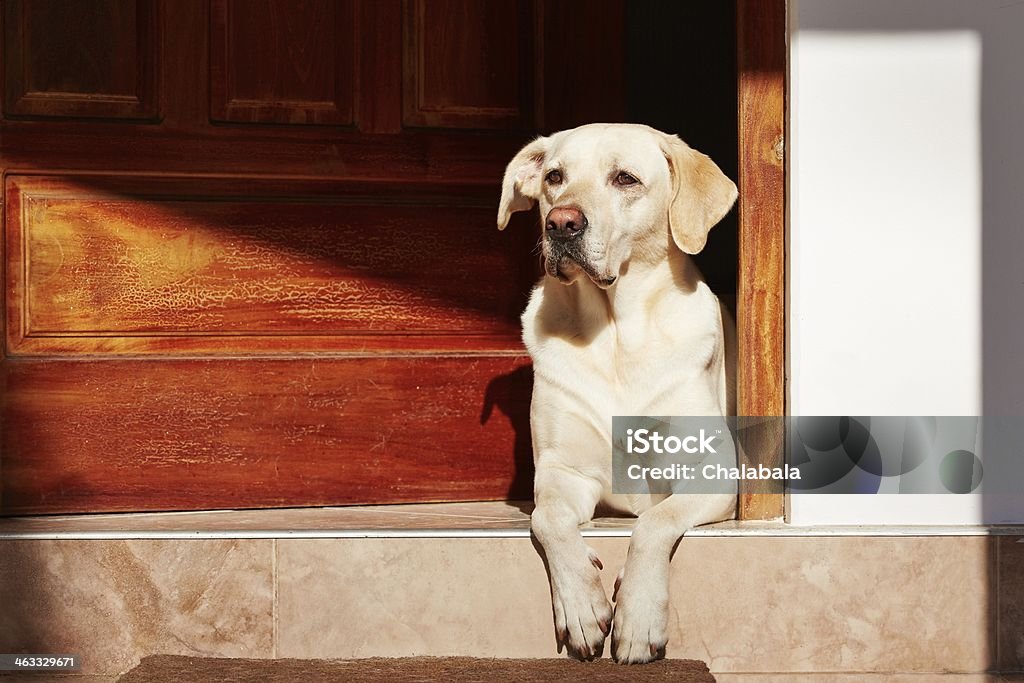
467, 64
761, 317
63, 60
110, 265
118, 435
283, 61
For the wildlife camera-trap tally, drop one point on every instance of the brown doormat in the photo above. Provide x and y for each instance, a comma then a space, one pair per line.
177, 669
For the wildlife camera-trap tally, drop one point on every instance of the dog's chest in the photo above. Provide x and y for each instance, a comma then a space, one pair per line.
660, 364
644, 371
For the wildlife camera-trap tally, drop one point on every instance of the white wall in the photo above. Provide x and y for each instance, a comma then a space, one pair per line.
906, 259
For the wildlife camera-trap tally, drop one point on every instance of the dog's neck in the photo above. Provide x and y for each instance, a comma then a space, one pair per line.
637, 291
631, 305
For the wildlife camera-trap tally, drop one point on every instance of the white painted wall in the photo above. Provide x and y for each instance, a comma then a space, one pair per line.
906, 259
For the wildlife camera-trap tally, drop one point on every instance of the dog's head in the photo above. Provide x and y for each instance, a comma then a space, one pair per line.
614, 193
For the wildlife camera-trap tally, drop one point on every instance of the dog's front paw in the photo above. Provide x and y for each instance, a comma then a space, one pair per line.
640, 626
583, 615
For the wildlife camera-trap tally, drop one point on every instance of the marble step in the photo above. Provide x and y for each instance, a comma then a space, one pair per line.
466, 579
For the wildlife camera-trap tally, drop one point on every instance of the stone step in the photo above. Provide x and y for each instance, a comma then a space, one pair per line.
466, 579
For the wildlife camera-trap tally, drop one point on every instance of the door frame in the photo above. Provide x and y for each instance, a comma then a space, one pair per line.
761, 301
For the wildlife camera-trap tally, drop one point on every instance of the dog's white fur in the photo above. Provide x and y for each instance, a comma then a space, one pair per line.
654, 342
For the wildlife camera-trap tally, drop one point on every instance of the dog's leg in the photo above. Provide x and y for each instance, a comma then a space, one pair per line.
565, 499
640, 625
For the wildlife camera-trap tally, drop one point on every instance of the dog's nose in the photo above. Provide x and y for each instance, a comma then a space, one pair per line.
565, 223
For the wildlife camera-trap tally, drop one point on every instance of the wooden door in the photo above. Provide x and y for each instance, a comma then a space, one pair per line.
249, 246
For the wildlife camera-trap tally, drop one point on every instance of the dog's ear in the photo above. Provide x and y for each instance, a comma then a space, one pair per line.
701, 194
521, 185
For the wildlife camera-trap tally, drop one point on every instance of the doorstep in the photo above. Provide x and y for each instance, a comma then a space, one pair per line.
466, 579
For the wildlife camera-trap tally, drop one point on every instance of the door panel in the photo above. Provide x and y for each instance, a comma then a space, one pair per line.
283, 61
123, 264
480, 79
210, 433
81, 59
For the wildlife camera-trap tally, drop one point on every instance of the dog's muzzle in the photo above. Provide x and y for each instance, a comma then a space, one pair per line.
564, 228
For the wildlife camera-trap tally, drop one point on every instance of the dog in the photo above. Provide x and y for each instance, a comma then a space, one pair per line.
621, 323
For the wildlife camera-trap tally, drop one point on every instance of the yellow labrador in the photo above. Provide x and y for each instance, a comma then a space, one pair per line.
622, 324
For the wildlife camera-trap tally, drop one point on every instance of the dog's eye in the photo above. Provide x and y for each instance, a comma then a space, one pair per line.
554, 177
625, 180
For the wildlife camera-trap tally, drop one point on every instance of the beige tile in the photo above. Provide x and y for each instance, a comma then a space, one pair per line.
112, 602
833, 604
1011, 603
741, 604
404, 597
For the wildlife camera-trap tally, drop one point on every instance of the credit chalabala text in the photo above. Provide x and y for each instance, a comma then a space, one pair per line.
645, 441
